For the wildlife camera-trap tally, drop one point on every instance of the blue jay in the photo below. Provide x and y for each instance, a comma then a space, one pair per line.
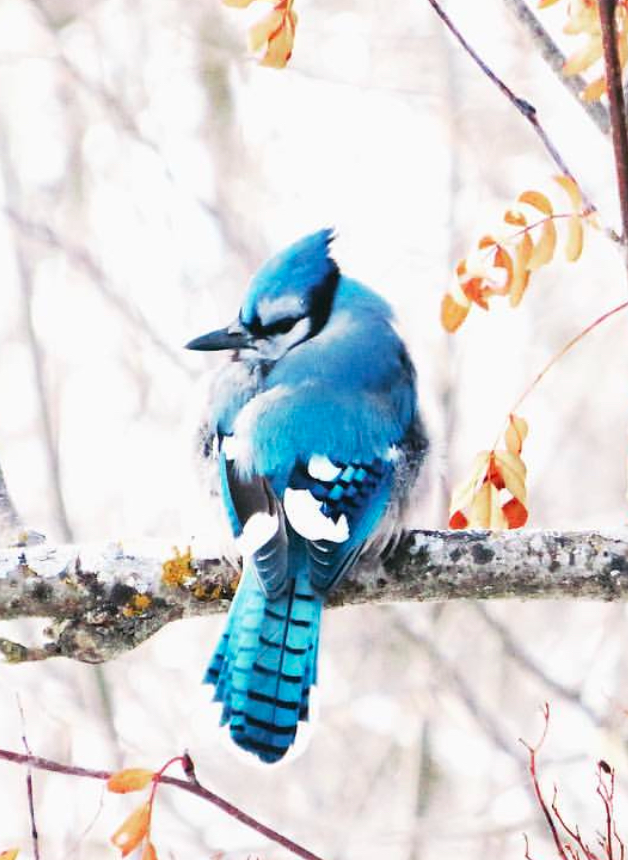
316, 430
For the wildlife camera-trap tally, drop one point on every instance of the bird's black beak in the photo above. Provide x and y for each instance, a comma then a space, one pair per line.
232, 337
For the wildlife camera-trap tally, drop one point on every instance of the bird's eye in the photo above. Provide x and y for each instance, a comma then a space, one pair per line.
282, 326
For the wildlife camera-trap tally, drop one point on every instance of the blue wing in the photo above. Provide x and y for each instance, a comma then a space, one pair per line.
336, 508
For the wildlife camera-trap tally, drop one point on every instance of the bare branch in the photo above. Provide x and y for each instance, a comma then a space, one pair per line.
191, 785
555, 59
104, 600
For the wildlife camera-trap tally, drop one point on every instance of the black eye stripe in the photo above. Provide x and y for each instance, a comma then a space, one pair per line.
281, 326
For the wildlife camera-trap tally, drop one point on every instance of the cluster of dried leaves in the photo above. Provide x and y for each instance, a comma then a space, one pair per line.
583, 19
272, 37
134, 832
494, 496
568, 840
502, 265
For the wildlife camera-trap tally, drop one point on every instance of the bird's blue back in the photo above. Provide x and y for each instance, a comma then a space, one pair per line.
319, 438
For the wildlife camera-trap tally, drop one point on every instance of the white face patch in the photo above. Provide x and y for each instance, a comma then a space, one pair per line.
322, 469
305, 516
257, 531
271, 310
275, 347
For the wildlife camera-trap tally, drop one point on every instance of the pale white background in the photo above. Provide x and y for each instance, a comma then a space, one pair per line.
148, 166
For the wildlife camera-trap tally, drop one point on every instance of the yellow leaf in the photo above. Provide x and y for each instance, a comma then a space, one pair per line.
513, 471
575, 235
571, 187
452, 313
11, 854
262, 32
131, 779
594, 91
129, 835
543, 4
485, 511
240, 4
544, 248
463, 493
584, 58
513, 216
521, 274
538, 200
280, 44
516, 433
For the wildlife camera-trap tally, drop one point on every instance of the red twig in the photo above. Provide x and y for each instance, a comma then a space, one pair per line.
609, 840
537, 788
29, 787
192, 786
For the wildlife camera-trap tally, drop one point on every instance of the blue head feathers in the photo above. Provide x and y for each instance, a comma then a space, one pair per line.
292, 282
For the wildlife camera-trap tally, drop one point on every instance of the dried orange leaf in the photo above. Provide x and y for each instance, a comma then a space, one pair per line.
571, 187
129, 835
475, 291
516, 514
521, 273
575, 236
513, 216
11, 854
261, 32
543, 4
486, 242
453, 314
538, 200
280, 44
516, 433
544, 248
581, 60
149, 852
503, 260
131, 779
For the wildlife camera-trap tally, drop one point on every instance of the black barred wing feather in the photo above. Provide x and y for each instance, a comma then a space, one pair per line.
336, 506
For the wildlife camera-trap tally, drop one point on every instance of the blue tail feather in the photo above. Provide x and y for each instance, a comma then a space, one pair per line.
264, 665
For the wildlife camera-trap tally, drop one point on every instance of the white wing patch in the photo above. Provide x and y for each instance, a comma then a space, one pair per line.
322, 469
306, 517
257, 531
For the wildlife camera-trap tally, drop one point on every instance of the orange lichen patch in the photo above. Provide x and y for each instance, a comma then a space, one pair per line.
177, 570
137, 605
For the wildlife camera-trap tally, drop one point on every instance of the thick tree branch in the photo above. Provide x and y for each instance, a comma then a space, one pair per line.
107, 600
619, 129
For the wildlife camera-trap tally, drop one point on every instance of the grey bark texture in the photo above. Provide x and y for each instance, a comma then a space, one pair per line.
103, 601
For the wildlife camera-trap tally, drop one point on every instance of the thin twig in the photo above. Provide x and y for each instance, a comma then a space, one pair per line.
619, 129
29, 785
191, 785
524, 107
555, 59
